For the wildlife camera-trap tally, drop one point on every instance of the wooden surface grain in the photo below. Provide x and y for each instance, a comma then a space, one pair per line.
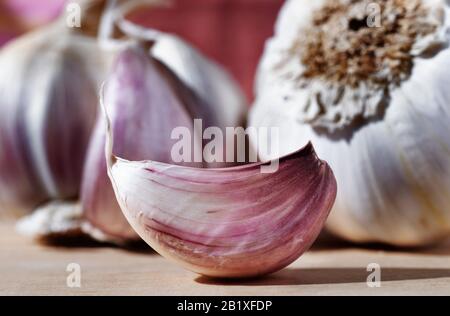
29, 268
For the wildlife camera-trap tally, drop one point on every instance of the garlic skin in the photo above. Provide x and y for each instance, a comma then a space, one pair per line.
210, 81
55, 220
48, 89
147, 100
388, 146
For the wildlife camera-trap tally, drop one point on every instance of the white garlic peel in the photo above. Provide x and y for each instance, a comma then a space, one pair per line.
389, 149
55, 219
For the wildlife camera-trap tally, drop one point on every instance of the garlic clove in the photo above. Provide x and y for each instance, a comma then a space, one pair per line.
226, 222
147, 101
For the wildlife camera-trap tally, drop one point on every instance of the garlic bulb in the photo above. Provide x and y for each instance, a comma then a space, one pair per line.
48, 100
367, 83
147, 101
210, 81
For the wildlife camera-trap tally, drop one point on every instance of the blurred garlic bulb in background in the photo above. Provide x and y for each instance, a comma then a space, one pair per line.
49, 83
367, 82
153, 91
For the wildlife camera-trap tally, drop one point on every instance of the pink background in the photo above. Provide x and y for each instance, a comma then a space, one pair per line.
232, 32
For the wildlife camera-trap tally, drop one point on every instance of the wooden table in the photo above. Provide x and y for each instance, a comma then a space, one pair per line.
330, 268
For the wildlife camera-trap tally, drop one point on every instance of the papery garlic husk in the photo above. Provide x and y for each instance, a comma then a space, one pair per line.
376, 105
147, 100
48, 99
54, 221
229, 222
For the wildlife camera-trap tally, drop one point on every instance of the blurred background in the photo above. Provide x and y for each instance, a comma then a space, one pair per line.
232, 32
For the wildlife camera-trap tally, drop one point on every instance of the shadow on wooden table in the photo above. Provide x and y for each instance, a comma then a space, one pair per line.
327, 242
85, 242
308, 276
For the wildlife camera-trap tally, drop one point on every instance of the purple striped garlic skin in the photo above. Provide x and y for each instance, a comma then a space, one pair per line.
146, 102
48, 99
230, 222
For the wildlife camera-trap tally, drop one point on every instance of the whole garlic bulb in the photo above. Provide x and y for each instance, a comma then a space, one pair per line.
367, 82
48, 100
